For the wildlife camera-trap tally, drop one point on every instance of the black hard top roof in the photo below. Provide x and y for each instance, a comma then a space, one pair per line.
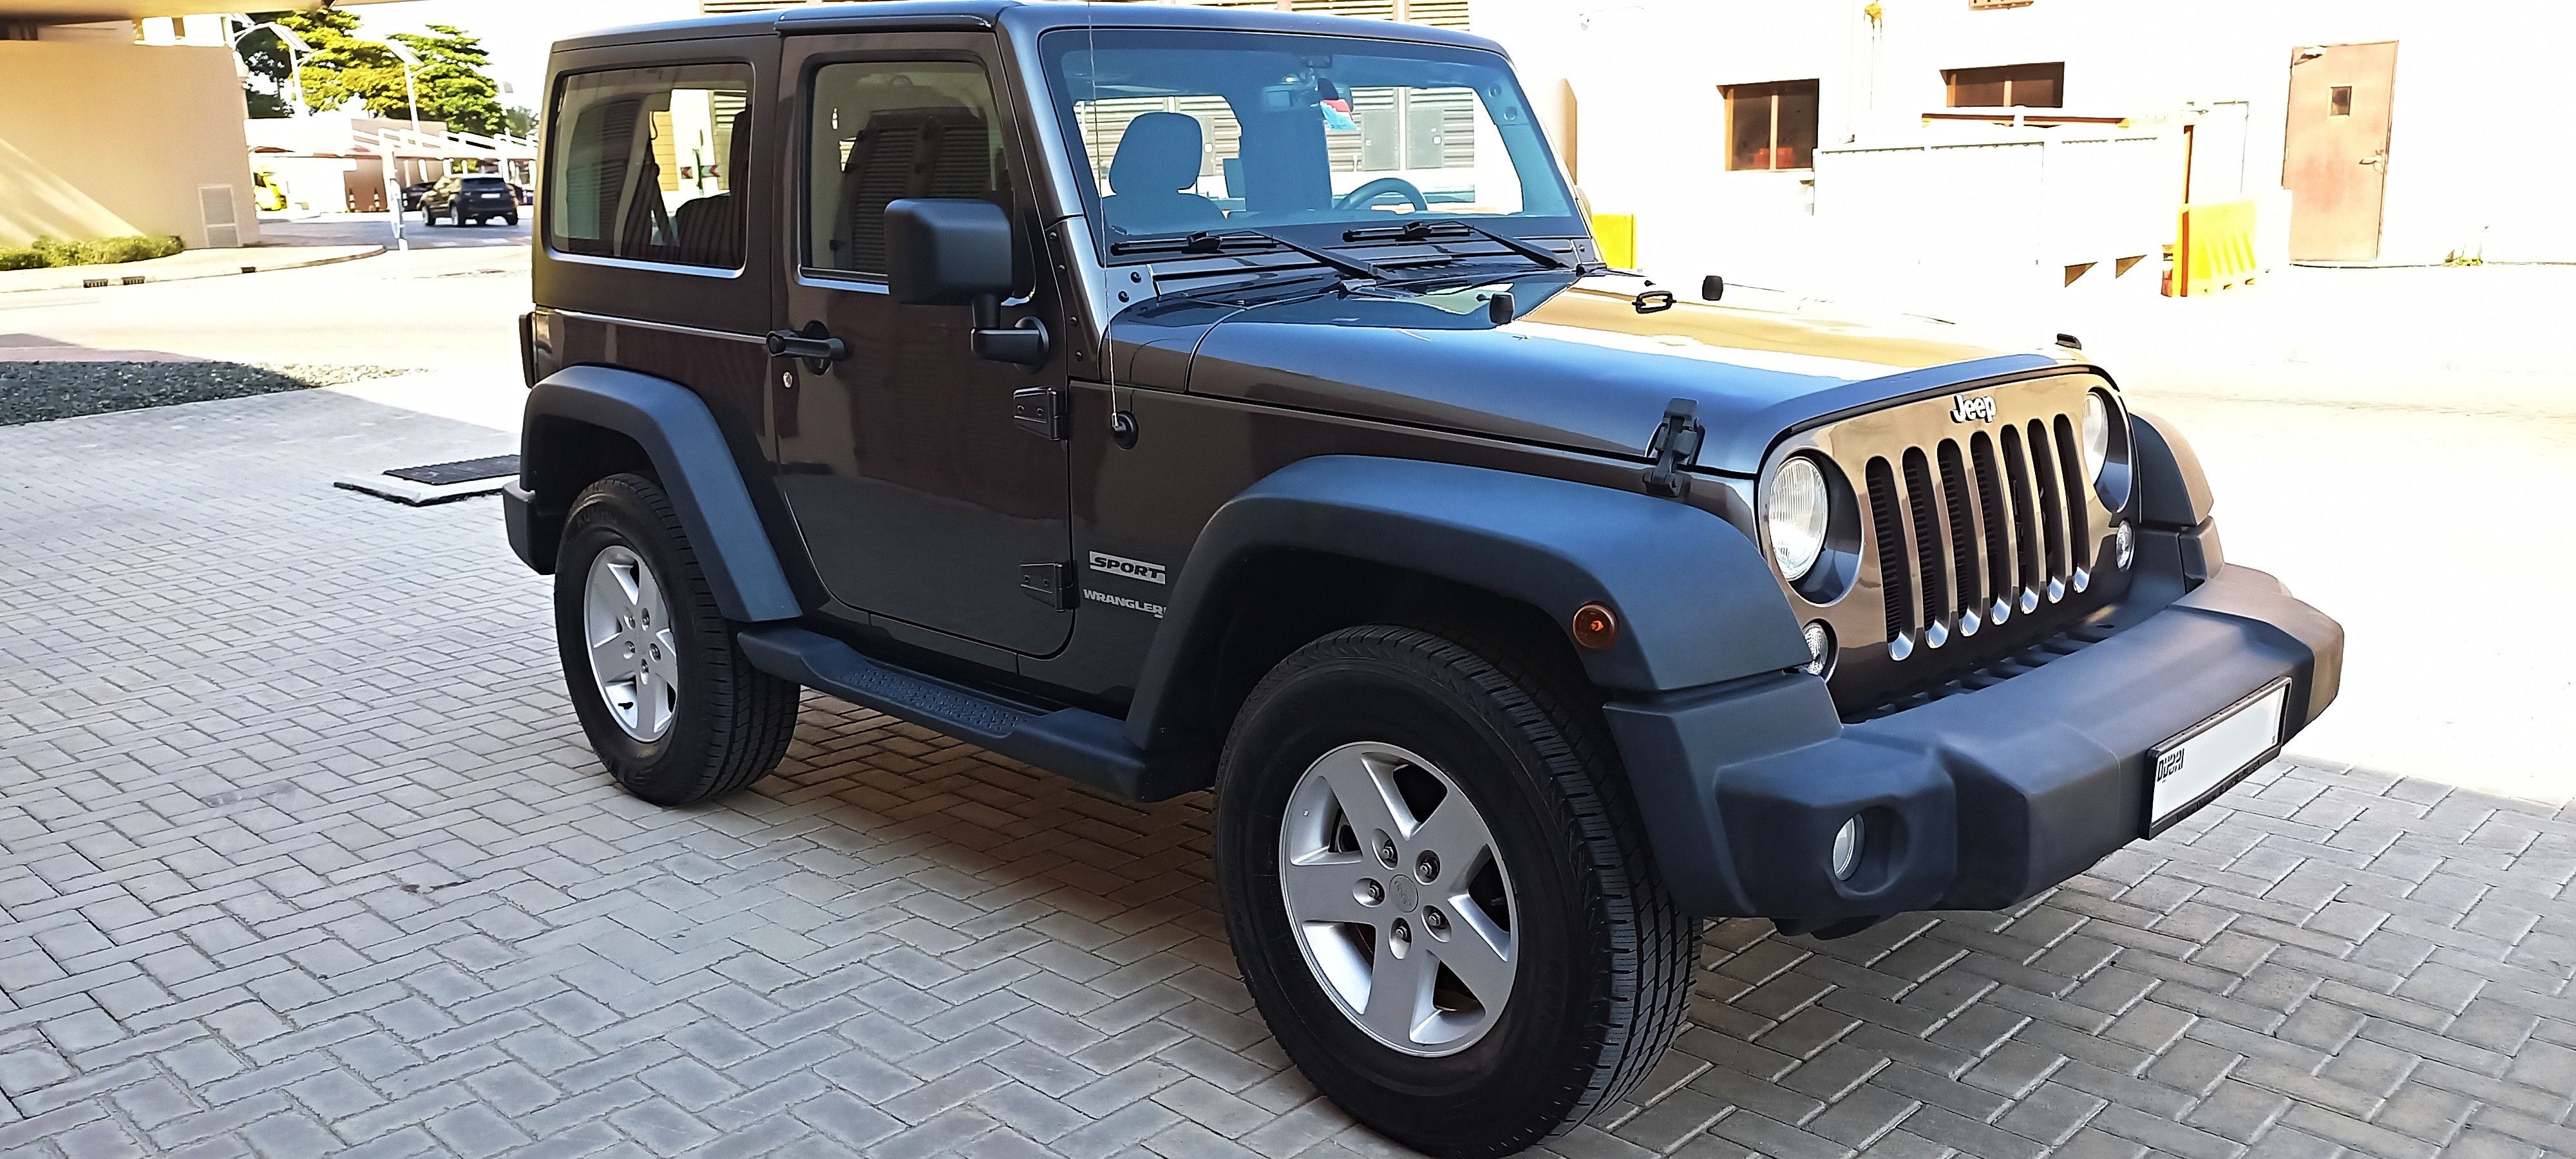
893, 15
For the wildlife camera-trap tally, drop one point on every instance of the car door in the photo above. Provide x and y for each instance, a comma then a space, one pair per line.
924, 492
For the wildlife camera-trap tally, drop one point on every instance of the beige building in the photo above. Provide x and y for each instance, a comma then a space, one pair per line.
123, 117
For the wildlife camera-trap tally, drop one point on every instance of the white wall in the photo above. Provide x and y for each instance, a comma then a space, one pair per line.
100, 138
2480, 153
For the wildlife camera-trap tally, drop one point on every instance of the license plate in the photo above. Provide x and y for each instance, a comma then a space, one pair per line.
2201, 762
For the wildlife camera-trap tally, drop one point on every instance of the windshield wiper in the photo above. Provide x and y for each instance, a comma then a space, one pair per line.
1216, 241
1422, 231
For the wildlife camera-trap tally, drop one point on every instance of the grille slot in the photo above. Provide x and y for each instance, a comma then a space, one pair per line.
1927, 537
2052, 505
2000, 579
1964, 556
2025, 516
2072, 461
1896, 571
1974, 529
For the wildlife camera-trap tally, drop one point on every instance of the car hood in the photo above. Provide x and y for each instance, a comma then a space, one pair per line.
1583, 369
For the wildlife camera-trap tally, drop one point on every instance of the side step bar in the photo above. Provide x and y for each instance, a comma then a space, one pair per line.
1077, 743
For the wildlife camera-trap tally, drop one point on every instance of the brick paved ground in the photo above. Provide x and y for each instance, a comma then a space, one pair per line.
300, 850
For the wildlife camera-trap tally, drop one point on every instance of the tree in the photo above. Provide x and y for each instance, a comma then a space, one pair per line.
343, 68
520, 120
453, 86
265, 56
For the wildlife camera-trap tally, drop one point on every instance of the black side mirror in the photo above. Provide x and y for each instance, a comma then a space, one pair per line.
956, 251
1712, 288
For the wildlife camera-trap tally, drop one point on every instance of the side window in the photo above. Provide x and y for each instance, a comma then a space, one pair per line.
883, 131
643, 164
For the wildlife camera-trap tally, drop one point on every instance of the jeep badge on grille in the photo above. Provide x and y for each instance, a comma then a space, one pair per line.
1978, 408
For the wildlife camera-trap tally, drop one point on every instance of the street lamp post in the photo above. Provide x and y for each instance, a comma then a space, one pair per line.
411, 96
296, 49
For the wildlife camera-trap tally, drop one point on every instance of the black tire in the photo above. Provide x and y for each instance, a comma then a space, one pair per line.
512, 220
1604, 959
428, 216
733, 721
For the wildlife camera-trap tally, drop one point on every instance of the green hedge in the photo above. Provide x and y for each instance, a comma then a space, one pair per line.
46, 253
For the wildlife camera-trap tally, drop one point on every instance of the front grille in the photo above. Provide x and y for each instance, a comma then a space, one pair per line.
1978, 547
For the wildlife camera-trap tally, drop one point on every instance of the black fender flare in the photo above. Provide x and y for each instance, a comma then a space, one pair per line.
689, 454
2172, 490
1695, 602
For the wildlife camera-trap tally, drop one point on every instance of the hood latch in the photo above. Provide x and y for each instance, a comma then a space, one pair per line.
1675, 445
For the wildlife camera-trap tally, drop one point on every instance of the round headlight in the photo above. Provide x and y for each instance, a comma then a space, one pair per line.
2097, 436
1796, 513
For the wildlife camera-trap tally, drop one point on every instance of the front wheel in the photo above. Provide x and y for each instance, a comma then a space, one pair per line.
1439, 893
670, 703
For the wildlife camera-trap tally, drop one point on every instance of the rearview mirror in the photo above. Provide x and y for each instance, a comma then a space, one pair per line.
957, 251
947, 251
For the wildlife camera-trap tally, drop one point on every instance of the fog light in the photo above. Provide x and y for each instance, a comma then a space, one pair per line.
2125, 542
1847, 849
1820, 648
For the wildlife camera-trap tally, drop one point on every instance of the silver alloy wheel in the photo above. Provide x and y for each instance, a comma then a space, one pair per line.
1405, 918
634, 659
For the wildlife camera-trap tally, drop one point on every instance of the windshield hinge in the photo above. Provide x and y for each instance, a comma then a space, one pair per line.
1675, 446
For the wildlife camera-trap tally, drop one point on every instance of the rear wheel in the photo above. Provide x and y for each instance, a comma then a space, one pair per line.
1439, 894
669, 702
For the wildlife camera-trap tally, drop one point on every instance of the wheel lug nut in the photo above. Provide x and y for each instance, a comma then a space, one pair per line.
1400, 938
1370, 892
1435, 921
1386, 850
1426, 866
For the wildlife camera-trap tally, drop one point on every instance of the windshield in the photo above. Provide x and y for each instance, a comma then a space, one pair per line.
1183, 131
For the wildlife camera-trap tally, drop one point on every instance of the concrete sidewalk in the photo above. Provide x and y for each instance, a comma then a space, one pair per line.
207, 263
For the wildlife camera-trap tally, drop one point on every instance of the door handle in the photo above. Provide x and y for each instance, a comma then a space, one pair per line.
2370, 161
814, 345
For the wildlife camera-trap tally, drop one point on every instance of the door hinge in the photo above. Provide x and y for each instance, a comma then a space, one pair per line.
1043, 411
1048, 583
1675, 445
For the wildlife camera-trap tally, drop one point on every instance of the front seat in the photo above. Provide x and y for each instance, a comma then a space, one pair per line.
1159, 155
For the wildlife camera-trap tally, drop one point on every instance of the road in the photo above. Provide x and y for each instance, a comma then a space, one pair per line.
2391, 443
448, 307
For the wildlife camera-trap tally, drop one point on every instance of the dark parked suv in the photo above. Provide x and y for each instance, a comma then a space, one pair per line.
470, 199
1182, 399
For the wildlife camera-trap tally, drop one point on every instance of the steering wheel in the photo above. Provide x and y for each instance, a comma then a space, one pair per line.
1369, 194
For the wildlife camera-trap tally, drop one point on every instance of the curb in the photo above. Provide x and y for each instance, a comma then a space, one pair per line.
80, 278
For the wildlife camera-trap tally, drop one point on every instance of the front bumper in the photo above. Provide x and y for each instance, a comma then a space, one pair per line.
1975, 801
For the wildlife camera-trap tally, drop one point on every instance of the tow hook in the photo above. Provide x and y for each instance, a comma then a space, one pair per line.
1675, 445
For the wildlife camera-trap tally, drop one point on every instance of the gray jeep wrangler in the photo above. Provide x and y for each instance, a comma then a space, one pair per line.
1182, 399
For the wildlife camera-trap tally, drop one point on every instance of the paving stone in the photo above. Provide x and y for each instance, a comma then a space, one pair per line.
324, 865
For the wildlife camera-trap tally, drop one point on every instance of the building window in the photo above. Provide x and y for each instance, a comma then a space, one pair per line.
2339, 101
2011, 86
1771, 126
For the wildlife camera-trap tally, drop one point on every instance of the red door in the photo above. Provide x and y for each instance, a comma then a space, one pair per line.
2335, 157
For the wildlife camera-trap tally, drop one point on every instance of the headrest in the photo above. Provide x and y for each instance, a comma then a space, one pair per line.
1159, 154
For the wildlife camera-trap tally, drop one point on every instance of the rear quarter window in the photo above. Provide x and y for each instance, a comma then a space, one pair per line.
643, 164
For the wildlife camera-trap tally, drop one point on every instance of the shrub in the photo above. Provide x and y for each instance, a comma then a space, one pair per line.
47, 252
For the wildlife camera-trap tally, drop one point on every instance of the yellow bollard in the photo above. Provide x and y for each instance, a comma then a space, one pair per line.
1616, 234
2214, 248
